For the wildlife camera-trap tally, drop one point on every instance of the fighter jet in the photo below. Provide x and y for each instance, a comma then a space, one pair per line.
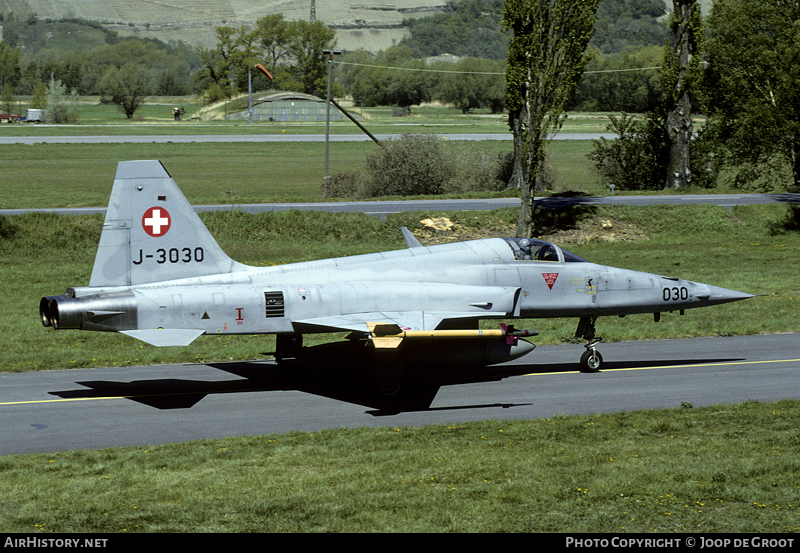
159, 276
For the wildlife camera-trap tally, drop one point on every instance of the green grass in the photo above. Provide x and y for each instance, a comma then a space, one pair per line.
81, 175
724, 469
54, 175
155, 117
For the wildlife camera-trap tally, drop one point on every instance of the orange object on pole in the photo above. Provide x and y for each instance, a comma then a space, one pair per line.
261, 68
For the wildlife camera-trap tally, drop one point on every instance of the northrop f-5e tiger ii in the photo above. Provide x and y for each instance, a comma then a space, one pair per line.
159, 276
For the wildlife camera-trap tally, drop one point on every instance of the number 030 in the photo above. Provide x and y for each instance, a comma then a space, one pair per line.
676, 293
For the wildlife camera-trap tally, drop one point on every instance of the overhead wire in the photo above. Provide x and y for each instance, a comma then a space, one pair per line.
425, 70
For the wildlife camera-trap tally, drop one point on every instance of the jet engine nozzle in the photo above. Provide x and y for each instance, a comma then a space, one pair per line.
114, 311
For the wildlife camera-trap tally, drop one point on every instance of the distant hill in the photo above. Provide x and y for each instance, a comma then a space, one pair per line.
369, 24
372, 25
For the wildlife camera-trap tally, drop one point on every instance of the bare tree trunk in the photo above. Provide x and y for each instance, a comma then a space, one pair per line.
528, 163
679, 119
679, 129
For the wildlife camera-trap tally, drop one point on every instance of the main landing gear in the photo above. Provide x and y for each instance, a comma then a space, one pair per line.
591, 360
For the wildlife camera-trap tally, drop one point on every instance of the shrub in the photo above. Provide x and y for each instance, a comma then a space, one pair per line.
637, 160
342, 185
420, 165
410, 166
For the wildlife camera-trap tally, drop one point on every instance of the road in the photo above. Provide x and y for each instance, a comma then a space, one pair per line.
137, 406
382, 208
183, 139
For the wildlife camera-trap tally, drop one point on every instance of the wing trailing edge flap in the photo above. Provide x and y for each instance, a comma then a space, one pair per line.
358, 322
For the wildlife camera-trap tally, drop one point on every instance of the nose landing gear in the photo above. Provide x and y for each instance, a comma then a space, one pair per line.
591, 360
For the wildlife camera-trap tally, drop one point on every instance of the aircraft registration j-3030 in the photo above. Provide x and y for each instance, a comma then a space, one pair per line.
159, 276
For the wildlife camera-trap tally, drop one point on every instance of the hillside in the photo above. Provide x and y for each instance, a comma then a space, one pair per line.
372, 25
369, 24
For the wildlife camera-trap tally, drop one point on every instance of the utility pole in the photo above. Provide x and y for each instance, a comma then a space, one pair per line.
330, 54
313, 11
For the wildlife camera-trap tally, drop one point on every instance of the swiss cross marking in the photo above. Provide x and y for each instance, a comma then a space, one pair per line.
156, 221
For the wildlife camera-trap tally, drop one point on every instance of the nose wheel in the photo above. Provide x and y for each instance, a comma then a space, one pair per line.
591, 360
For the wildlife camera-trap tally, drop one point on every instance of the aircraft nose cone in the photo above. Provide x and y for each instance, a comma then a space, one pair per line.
724, 295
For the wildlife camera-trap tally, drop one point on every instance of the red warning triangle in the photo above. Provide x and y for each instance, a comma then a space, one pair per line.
550, 279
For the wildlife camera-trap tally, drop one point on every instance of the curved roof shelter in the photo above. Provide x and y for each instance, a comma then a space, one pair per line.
289, 106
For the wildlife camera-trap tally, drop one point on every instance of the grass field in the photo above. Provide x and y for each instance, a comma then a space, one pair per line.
720, 469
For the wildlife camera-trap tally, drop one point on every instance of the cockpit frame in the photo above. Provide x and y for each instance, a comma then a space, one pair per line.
533, 249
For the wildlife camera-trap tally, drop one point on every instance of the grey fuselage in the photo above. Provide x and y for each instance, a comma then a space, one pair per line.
458, 282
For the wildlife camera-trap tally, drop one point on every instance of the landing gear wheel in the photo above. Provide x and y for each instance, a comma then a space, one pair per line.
591, 361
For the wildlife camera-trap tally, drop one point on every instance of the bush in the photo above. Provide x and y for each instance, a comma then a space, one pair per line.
637, 160
418, 165
342, 185
410, 166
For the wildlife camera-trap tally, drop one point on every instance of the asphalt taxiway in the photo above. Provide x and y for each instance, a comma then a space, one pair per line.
49, 411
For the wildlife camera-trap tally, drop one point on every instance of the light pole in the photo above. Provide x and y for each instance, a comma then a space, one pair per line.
330, 54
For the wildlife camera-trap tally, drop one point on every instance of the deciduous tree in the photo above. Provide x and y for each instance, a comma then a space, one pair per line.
126, 87
752, 90
546, 57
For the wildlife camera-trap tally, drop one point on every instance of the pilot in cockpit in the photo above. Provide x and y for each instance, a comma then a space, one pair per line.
525, 246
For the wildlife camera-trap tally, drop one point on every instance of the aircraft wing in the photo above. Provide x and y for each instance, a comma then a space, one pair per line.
357, 322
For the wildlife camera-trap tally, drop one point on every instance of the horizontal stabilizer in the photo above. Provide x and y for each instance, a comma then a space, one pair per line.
165, 337
410, 239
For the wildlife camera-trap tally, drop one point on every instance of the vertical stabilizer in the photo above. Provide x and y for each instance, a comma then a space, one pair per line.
151, 233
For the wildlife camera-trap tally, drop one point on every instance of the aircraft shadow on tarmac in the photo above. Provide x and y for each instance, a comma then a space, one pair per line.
265, 376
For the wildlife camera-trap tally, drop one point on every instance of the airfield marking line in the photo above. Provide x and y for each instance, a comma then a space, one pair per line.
61, 399
679, 366
26, 402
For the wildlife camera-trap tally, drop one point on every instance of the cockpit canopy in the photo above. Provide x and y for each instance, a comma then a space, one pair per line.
531, 249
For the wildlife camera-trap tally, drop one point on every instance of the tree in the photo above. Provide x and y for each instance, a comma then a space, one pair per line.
223, 66
546, 57
10, 71
308, 65
298, 44
7, 99
39, 98
638, 158
274, 38
619, 82
474, 83
126, 87
751, 90
61, 108
680, 76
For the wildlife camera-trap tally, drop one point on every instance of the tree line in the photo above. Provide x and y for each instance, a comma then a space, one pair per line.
123, 70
